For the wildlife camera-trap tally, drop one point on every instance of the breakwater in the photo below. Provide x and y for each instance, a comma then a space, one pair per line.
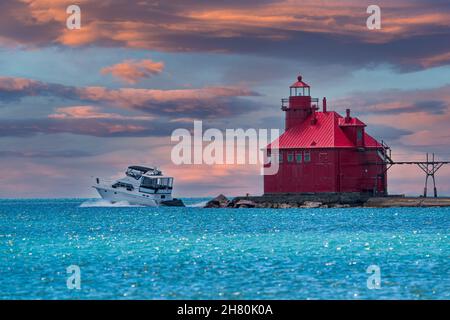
325, 200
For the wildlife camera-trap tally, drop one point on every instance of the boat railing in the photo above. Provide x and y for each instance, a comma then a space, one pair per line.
285, 103
113, 183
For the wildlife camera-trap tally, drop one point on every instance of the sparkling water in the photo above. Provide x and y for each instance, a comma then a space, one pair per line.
126, 252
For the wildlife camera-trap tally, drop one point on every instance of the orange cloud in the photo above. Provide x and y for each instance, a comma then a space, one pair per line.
335, 26
131, 71
399, 19
44, 11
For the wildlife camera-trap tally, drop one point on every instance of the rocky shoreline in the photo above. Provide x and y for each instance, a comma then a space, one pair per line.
325, 201
239, 202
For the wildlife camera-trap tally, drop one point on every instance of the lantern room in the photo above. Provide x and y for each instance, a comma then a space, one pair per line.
299, 88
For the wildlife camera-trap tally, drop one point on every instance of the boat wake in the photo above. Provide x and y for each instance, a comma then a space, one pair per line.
197, 205
105, 203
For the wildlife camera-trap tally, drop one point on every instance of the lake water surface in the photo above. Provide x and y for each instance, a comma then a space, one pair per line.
128, 252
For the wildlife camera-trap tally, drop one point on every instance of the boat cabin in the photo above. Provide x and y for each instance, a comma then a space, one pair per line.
156, 184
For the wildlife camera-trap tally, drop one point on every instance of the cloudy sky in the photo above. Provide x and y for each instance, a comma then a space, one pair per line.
79, 103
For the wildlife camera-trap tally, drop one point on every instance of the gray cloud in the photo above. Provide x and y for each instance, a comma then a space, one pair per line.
46, 154
393, 102
207, 102
90, 127
432, 106
387, 133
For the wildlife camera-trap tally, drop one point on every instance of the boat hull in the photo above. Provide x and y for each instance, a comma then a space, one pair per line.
114, 195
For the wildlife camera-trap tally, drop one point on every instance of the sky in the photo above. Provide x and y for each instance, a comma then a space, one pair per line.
81, 103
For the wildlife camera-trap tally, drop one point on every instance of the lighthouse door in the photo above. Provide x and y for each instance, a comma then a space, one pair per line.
380, 184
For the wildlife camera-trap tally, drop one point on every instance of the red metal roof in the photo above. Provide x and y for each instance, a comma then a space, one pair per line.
370, 142
325, 133
351, 122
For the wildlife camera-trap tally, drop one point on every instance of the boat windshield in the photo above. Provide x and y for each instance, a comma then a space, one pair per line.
127, 186
133, 173
157, 183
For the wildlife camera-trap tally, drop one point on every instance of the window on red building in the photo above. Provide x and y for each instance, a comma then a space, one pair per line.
280, 157
298, 157
307, 156
290, 157
359, 135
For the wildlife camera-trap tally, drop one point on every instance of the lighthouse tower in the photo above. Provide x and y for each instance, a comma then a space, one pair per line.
324, 152
299, 105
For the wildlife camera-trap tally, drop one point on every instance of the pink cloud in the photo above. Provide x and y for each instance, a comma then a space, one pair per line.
17, 84
132, 71
435, 60
90, 112
203, 102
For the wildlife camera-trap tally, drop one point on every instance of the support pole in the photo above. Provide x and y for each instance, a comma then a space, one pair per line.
425, 188
434, 180
426, 178
435, 189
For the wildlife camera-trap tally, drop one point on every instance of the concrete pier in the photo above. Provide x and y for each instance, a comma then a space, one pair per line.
386, 202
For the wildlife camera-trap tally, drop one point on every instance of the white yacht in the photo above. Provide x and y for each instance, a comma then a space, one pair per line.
140, 186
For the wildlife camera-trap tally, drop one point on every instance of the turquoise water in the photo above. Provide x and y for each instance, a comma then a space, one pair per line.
195, 253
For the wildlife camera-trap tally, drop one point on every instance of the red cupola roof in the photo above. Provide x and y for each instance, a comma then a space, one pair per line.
355, 122
300, 83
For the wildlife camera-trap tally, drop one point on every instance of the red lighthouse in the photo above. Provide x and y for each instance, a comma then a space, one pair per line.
323, 152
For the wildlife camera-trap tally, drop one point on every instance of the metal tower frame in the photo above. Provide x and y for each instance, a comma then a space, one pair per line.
429, 167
